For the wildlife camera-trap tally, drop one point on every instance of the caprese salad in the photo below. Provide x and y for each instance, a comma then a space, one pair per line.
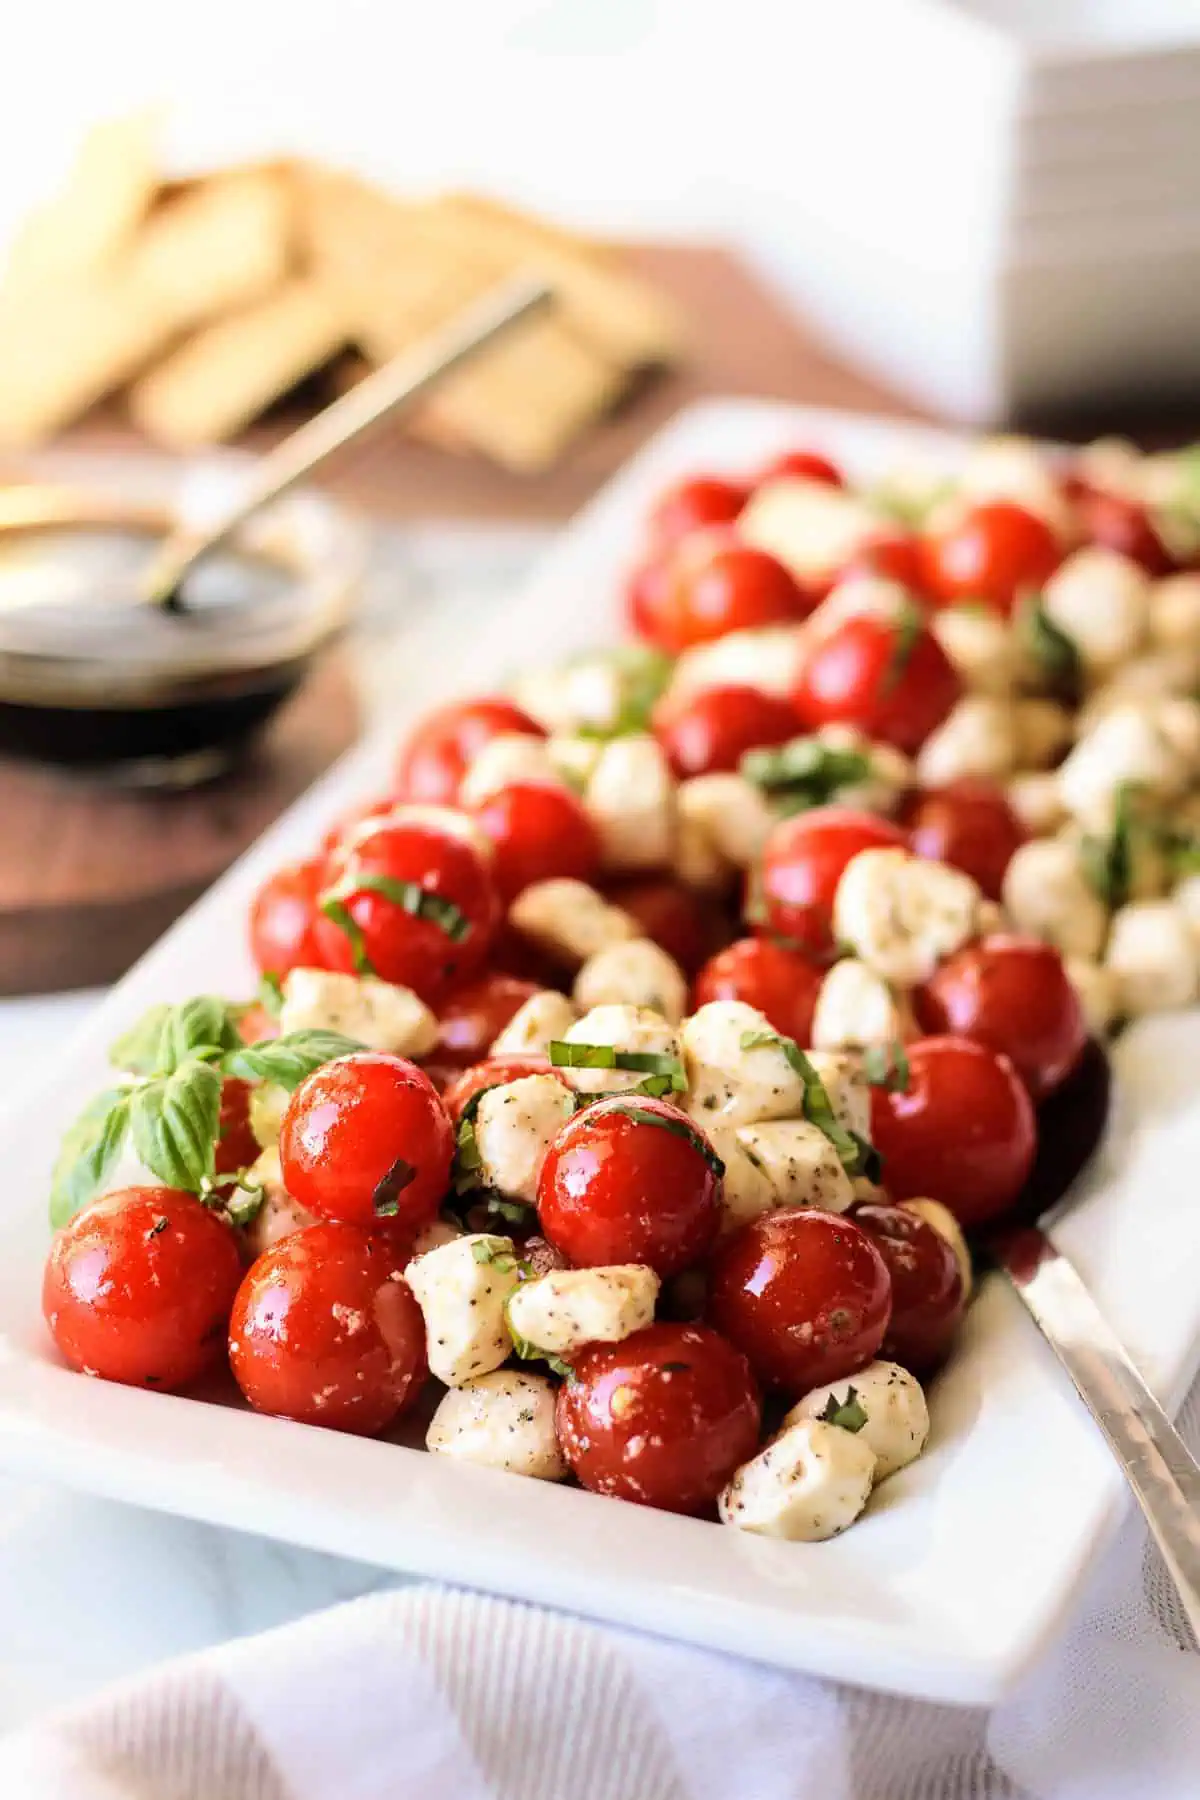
624, 1083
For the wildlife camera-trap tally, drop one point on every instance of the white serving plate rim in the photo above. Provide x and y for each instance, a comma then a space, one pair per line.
950, 1586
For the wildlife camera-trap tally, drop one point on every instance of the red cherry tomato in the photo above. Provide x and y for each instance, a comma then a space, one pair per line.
963, 1132
711, 731
646, 595
367, 1140
354, 821
685, 923
690, 505
435, 758
802, 864
630, 1181
805, 1294
927, 1286
995, 551
1121, 524
1013, 995
895, 558
781, 983
446, 936
472, 1017
663, 1418
968, 824
325, 1330
715, 584
493, 1071
283, 917
801, 465
237, 1146
139, 1285
541, 832
889, 677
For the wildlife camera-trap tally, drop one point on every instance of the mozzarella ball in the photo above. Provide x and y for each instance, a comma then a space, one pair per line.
1125, 749
947, 1226
562, 1311
279, 1215
1015, 469
513, 756
515, 1125
982, 645
808, 1484
1037, 801
535, 1025
588, 691
746, 1189
855, 1007
639, 973
1096, 991
1151, 957
1101, 600
1175, 615
901, 915
897, 1426
730, 813
1047, 894
462, 1289
630, 1028
502, 1421
569, 919
811, 527
1179, 721
730, 1083
799, 1162
977, 738
630, 797
268, 1103
767, 659
698, 862
376, 1013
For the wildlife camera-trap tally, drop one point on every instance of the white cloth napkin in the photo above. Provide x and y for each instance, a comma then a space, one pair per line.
435, 1694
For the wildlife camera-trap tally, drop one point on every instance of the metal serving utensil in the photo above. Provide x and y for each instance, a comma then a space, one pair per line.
398, 382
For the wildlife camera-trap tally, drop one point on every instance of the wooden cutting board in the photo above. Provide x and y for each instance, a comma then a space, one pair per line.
88, 879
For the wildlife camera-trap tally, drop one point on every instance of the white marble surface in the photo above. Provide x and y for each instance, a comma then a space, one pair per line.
91, 1590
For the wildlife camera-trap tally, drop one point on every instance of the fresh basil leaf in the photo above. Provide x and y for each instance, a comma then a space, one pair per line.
849, 1413
339, 914
138, 1050
910, 628
680, 1127
1052, 651
856, 1155
89, 1149
420, 902
886, 1066
804, 773
270, 994
202, 1027
503, 1260
287, 1060
564, 1055
174, 1122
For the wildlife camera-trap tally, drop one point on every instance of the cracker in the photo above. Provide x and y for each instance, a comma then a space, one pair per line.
227, 374
94, 217
217, 245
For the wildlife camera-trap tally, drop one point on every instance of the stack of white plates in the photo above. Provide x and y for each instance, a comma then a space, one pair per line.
995, 204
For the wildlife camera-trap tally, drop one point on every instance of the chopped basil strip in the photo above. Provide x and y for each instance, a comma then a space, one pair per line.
804, 772
849, 1413
910, 626
340, 915
385, 1200
680, 1126
158, 1227
503, 1260
420, 902
857, 1156
530, 1352
604, 1056
1107, 863
886, 1066
467, 1160
1053, 652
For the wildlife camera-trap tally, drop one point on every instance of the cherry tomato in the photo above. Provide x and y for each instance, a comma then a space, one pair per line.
139, 1285
446, 936
685, 923
715, 584
1013, 995
630, 1181
801, 465
492, 1071
802, 863
690, 505
888, 676
927, 1286
472, 1017
283, 918
663, 1418
781, 983
541, 832
646, 595
711, 731
968, 824
896, 558
367, 1140
237, 1146
805, 1294
325, 1330
995, 551
1070, 1125
353, 822
963, 1132
1121, 524
436, 756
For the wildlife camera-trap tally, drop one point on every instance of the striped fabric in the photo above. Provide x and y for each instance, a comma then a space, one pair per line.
429, 1694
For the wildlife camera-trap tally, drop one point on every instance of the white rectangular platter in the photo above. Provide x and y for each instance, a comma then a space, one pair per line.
963, 1566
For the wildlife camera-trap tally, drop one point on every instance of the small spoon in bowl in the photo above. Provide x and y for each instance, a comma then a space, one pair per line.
380, 394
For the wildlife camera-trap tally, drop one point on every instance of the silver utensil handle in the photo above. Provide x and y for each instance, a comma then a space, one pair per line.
1159, 1467
404, 379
